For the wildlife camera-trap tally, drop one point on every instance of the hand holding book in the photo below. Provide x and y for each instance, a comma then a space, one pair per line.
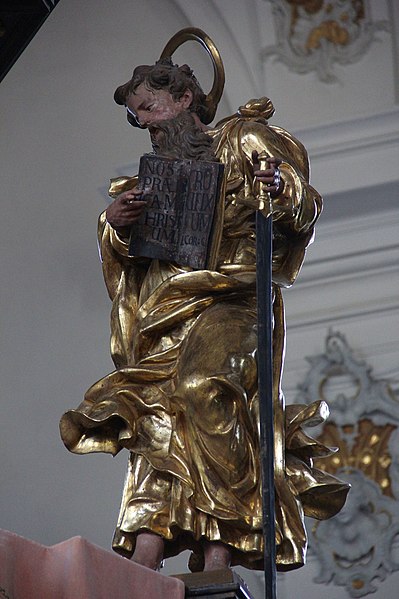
126, 210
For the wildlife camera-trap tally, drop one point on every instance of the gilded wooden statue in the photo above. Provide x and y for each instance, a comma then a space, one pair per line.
183, 398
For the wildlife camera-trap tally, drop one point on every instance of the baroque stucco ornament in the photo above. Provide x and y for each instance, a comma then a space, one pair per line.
358, 547
314, 35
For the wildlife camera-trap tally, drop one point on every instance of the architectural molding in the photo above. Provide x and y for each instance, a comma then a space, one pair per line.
357, 547
352, 261
352, 248
348, 136
341, 153
350, 282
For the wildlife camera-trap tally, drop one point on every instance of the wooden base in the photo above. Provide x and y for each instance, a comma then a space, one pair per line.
218, 584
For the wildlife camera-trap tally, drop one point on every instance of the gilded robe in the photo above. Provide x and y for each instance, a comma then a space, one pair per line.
183, 398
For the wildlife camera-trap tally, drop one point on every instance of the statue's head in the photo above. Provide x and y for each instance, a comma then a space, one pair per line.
160, 90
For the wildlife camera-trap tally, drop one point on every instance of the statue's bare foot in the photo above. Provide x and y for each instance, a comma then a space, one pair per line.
217, 556
149, 550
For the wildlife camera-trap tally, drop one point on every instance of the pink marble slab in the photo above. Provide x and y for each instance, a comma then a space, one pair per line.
76, 569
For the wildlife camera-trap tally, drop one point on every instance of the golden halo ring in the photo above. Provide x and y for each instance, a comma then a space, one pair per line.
197, 35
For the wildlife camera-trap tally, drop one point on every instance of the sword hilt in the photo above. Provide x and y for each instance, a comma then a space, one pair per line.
264, 197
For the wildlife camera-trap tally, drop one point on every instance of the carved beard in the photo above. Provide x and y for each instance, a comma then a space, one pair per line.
181, 138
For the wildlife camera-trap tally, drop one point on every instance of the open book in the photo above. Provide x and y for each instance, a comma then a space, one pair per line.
183, 211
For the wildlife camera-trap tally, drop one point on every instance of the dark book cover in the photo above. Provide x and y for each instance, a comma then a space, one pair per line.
178, 224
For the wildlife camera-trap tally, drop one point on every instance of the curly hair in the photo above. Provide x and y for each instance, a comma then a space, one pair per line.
168, 76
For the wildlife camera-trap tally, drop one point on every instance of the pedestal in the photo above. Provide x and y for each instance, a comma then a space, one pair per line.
76, 569
220, 584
